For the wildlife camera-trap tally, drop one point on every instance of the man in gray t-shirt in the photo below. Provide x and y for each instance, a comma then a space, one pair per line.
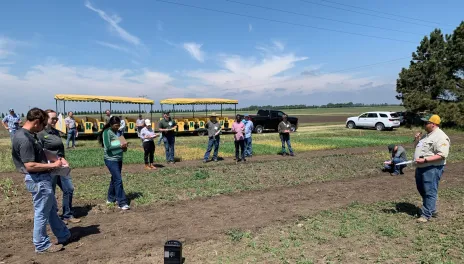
31, 160
398, 154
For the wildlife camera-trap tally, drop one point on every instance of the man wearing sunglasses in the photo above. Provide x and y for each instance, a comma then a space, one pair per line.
430, 156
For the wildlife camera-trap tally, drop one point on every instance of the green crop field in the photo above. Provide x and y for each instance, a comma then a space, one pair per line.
89, 154
377, 231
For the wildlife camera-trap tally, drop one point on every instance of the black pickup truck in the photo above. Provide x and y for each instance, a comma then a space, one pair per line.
270, 119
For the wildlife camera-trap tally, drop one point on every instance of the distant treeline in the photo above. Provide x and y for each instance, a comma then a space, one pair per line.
249, 108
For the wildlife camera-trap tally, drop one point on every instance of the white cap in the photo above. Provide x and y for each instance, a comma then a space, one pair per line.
147, 122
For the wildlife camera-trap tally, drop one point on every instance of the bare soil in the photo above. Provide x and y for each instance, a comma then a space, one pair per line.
138, 236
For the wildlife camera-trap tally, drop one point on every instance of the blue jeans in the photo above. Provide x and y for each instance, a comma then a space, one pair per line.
248, 147
12, 133
396, 169
71, 136
169, 142
45, 211
116, 189
285, 138
427, 180
119, 133
66, 186
213, 141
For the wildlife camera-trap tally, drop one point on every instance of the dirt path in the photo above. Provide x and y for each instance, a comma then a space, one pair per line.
115, 237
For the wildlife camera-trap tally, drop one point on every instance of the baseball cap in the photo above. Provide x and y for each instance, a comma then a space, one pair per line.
166, 112
432, 119
390, 148
147, 122
11, 109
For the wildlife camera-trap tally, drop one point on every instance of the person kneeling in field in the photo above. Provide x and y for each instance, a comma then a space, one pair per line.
398, 155
214, 129
147, 135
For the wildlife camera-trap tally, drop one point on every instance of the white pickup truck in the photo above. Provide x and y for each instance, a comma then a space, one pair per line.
378, 120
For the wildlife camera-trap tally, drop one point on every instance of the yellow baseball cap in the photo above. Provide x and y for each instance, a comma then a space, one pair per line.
432, 119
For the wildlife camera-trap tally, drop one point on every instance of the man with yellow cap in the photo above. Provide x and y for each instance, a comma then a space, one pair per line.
430, 156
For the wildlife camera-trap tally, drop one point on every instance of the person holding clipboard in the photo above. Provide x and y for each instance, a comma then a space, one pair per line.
147, 135
52, 143
114, 148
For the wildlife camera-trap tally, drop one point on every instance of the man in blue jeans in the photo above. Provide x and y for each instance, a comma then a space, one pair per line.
398, 154
167, 127
248, 131
30, 159
71, 125
11, 122
214, 129
284, 130
430, 156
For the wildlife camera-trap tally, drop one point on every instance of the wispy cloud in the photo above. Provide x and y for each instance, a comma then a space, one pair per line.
113, 22
159, 25
279, 45
195, 51
250, 27
112, 46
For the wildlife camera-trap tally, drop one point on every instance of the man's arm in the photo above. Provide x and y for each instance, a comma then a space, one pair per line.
41, 167
5, 122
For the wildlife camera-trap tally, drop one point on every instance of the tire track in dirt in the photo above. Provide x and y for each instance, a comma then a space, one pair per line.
123, 235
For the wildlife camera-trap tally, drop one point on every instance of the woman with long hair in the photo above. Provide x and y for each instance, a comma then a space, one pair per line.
113, 153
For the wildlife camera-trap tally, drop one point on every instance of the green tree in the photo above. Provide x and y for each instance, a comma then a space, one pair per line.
433, 81
3, 115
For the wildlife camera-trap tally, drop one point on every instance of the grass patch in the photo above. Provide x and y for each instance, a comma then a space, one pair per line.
359, 233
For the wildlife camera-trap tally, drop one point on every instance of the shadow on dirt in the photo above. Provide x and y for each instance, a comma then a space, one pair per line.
407, 208
83, 231
132, 196
81, 211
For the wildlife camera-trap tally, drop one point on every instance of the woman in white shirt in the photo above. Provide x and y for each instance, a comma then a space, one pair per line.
147, 135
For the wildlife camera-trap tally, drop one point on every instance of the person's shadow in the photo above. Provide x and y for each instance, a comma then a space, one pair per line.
81, 211
407, 208
82, 231
132, 196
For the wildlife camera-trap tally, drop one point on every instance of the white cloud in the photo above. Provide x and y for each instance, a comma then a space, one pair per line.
41, 82
250, 27
279, 45
7, 47
261, 78
195, 51
112, 46
159, 25
113, 22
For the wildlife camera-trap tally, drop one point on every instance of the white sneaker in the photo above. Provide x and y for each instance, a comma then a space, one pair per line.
125, 207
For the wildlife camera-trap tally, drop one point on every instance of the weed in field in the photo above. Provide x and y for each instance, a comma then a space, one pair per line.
236, 234
8, 188
201, 174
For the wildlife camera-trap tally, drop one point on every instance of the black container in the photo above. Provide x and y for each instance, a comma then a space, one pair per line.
173, 252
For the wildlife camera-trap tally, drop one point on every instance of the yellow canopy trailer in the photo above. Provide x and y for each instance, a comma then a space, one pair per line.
197, 124
91, 125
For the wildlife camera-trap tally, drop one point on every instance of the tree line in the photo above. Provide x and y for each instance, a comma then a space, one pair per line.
434, 81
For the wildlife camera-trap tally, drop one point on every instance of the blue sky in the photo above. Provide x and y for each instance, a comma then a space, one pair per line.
132, 48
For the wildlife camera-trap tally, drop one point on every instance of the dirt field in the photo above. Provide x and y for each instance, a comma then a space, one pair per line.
138, 236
